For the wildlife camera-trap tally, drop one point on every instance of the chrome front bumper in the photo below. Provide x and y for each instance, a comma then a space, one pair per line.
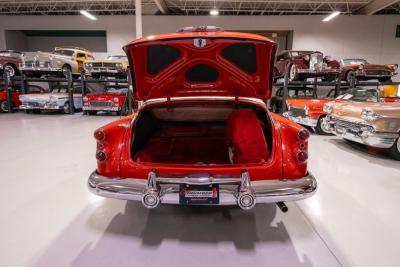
85, 108
308, 121
40, 69
232, 190
318, 71
40, 106
365, 136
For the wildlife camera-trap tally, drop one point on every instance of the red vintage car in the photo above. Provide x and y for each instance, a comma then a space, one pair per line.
365, 71
305, 64
112, 100
202, 134
10, 61
15, 96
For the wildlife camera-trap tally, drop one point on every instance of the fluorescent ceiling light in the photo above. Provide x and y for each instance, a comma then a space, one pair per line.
331, 16
88, 15
214, 12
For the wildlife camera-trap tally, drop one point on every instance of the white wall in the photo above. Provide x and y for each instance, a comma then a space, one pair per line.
372, 37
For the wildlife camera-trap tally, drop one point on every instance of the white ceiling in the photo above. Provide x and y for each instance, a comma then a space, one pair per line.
194, 7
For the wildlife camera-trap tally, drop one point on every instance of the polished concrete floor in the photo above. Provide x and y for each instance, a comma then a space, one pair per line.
48, 217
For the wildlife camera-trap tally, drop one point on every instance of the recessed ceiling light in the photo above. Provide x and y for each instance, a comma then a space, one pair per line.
88, 15
331, 16
214, 12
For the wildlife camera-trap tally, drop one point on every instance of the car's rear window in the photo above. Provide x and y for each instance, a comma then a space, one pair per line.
201, 73
160, 56
242, 55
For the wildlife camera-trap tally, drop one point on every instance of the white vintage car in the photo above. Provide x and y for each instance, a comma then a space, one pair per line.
62, 60
56, 100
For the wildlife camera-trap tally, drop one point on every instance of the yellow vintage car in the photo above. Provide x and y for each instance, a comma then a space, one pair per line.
113, 66
62, 60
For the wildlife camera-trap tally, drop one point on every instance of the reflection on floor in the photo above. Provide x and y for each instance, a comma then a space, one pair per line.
49, 218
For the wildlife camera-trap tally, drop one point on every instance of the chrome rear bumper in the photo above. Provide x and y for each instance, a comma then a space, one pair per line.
232, 190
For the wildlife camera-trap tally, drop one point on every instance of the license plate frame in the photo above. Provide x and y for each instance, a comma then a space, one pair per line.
192, 194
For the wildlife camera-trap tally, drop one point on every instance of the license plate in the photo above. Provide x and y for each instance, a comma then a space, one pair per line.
199, 194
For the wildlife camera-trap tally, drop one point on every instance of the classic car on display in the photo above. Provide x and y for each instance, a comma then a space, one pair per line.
304, 107
56, 100
115, 66
202, 134
365, 71
15, 94
305, 64
62, 60
375, 124
112, 100
310, 111
10, 61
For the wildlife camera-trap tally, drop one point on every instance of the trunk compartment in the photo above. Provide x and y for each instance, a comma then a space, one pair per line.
202, 136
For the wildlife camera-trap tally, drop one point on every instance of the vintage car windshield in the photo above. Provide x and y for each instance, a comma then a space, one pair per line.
301, 93
354, 62
10, 54
117, 90
64, 52
117, 58
300, 53
360, 95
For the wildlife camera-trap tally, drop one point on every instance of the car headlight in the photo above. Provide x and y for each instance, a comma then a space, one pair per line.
88, 65
307, 57
369, 115
328, 108
306, 109
1, 66
119, 65
395, 67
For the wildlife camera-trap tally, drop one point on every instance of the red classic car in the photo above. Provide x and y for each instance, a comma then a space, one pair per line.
10, 60
305, 64
202, 134
365, 71
15, 96
112, 100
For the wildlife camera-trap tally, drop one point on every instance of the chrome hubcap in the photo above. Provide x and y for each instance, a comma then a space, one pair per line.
10, 70
66, 107
325, 126
4, 106
398, 145
292, 72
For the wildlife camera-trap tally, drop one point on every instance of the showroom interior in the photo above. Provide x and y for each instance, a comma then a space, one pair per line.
202, 133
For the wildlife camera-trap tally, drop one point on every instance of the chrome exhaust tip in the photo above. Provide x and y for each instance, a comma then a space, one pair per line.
151, 197
246, 199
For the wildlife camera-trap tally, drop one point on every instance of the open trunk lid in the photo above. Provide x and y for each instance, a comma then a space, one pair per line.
202, 63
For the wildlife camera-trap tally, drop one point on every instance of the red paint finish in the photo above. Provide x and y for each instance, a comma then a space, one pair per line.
15, 97
232, 80
315, 106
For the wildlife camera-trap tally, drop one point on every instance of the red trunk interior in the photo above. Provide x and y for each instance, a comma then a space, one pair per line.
205, 143
192, 145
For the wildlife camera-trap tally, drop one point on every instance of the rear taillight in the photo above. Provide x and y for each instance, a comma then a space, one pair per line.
99, 135
303, 135
101, 156
302, 156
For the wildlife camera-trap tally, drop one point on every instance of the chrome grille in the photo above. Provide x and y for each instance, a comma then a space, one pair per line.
297, 112
101, 103
103, 64
377, 72
316, 61
352, 126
